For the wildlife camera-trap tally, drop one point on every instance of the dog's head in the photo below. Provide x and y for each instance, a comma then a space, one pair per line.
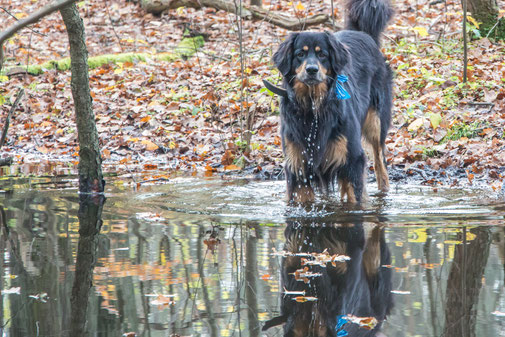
310, 58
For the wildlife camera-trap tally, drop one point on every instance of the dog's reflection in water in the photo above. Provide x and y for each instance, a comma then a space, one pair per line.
324, 291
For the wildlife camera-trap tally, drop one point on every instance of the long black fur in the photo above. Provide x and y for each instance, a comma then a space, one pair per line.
356, 54
368, 16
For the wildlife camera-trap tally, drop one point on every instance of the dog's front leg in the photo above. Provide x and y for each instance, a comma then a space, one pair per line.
299, 189
298, 184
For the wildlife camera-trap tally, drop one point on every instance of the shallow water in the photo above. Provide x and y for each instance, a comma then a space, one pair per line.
201, 257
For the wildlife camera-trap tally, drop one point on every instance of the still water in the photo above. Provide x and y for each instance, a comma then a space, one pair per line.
227, 257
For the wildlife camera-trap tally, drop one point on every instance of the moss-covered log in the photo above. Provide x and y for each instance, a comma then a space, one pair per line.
184, 49
90, 160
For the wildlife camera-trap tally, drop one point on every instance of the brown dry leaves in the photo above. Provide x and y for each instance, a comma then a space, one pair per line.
187, 115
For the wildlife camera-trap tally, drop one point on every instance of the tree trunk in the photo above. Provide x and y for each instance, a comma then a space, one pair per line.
90, 161
258, 3
486, 12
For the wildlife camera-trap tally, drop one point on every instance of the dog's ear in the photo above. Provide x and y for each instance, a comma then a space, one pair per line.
274, 322
283, 57
339, 55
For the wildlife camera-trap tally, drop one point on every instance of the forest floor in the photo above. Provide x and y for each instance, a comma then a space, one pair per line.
156, 116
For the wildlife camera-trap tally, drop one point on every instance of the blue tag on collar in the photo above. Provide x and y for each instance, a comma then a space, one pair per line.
339, 89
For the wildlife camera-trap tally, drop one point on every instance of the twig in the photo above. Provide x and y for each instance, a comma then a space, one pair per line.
28, 54
492, 28
421, 172
21, 92
332, 14
33, 30
9, 32
241, 52
465, 47
113, 28
480, 103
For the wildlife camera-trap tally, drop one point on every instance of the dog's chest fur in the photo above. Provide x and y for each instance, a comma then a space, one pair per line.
306, 125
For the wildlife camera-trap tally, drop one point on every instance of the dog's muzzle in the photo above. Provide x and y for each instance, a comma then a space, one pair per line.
311, 75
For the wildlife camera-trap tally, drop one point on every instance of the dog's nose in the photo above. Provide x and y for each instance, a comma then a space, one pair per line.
312, 69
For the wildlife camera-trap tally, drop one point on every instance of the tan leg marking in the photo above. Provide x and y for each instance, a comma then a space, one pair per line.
346, 189
371, 254
336, 246
336, 153
371, 132
295, 161
303, 194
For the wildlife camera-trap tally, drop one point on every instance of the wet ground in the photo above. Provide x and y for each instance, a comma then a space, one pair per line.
226, 257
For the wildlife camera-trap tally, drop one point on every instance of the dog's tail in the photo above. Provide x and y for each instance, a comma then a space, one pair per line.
369, 16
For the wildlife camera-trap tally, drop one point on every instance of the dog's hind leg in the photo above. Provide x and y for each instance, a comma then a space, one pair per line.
372, 134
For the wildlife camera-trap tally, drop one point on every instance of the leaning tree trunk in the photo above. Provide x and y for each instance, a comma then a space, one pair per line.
90, 161
464, 283
486, 12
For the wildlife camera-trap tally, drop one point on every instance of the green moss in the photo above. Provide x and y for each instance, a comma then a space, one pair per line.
186, 48
461, 129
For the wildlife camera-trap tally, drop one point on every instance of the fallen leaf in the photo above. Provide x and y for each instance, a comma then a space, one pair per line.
150, 146
232, 168
415, 125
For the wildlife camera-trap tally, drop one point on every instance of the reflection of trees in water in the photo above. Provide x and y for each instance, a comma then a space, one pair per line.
38, 261
215, 288
90, 222
464, 283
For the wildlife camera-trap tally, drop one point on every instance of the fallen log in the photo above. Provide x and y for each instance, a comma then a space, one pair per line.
185, 49
158, 6
288, 22
247, 12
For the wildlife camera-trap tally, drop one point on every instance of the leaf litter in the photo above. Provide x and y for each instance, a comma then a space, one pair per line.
155, 116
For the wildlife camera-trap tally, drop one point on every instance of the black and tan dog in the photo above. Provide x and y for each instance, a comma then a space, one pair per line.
336, 89
317, 295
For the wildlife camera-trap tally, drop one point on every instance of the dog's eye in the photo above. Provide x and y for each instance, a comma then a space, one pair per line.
322, 55
300, 54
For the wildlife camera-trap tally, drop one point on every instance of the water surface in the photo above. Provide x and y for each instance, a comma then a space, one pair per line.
203, 257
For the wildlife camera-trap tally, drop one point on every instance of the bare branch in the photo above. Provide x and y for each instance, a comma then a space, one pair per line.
21, 92
44, 11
